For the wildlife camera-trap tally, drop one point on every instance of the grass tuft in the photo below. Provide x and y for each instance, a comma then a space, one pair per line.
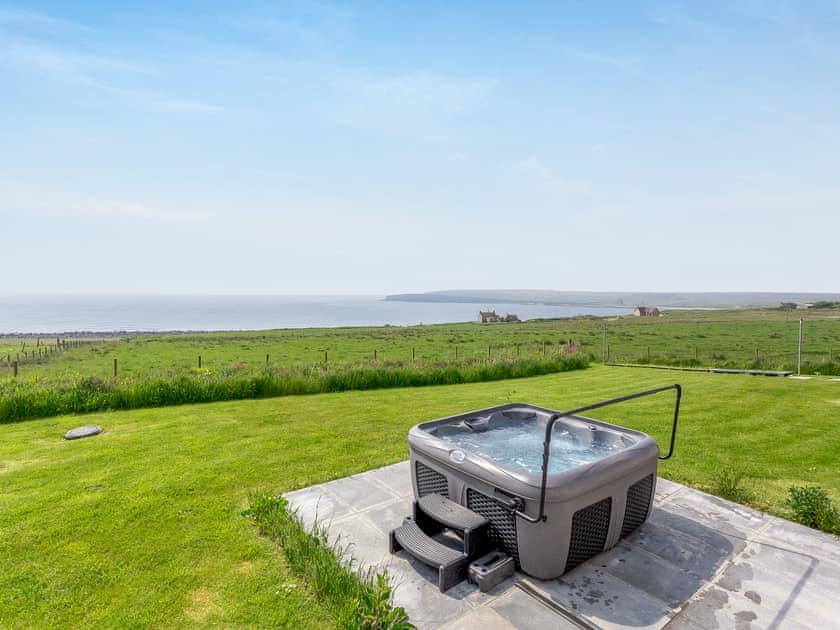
727, 483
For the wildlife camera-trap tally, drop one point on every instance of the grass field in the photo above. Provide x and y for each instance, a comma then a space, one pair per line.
765, 338
142, 525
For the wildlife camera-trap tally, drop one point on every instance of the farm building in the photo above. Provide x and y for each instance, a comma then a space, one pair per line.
490, 317
646, 311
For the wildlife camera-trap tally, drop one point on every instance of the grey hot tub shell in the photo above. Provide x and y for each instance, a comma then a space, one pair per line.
588, 508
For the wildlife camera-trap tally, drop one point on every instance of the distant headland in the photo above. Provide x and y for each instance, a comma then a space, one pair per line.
615, 299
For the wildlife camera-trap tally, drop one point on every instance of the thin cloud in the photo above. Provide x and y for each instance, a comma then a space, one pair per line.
27, 18
550, 174
315, 28
160, 102
601, 59
288, 32
107, 73
418, 105
102, 208
69, 65
427, 91
278, 228
807, 33
673, 17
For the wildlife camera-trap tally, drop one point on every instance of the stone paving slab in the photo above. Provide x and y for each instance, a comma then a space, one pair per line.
699, 562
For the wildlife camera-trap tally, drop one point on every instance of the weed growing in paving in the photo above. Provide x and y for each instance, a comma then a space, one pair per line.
358, 600
812, 506
727, 483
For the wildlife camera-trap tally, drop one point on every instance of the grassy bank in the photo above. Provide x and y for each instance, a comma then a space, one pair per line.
142, 525
22, 399
358, 600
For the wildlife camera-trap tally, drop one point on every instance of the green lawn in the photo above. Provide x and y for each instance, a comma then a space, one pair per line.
142, 525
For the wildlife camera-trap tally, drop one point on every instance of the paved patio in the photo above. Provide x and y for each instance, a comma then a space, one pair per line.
699, 562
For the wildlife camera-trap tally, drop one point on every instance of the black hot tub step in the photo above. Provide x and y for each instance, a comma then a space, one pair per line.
450, 563
450, 514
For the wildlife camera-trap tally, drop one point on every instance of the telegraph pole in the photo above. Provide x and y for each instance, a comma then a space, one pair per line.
799, 352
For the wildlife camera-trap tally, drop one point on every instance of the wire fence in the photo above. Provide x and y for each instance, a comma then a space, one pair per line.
767, 345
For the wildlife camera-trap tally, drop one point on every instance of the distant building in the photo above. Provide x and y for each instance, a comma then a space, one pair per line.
646, 311
490, 317
788, 305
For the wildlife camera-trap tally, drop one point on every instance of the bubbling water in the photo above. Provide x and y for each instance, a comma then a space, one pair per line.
518, 443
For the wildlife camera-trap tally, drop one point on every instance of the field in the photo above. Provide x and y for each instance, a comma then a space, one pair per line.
761, 338
142, 525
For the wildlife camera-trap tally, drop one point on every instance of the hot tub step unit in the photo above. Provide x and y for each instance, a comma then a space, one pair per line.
450, 514
450, 563
433, 514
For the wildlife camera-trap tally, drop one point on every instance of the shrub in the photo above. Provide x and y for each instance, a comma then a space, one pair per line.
812, 506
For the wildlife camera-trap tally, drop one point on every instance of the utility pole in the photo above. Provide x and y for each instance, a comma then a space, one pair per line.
604, 344
799, 352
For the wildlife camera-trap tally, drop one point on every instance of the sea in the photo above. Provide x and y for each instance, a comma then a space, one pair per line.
21, 314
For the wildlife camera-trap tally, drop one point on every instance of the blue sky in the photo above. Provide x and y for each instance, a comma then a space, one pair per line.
311, 148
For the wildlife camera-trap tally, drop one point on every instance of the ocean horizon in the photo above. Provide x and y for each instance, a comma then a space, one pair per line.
44, 314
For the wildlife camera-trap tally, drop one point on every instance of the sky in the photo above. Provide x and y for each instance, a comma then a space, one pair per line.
317, 148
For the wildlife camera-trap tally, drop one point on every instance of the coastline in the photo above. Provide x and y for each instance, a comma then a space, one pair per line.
132, 315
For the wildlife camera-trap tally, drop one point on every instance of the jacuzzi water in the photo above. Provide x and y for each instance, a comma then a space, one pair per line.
518, 443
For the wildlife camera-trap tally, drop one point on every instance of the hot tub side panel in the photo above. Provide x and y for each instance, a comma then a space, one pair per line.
578, 526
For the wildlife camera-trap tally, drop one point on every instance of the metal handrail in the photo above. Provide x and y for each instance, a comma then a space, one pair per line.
550, 425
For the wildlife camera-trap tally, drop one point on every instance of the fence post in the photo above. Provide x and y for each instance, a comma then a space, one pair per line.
15, 369
412, 353
488, 350
648, 353
756, 355
374, 354
199, 361
696, 354
543, 348
325, 356
266, 358
115, 366
456, 351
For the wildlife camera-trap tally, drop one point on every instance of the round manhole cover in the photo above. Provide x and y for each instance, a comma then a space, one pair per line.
81, 432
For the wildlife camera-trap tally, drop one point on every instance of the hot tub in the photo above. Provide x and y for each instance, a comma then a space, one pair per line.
598, 487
